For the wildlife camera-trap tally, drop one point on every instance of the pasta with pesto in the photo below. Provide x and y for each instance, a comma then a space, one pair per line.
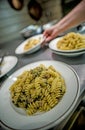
71, 41
38, 89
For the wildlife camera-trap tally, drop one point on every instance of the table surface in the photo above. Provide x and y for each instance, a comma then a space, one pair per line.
78, 63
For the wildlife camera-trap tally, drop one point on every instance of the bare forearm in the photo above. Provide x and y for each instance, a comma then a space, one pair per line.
75, 17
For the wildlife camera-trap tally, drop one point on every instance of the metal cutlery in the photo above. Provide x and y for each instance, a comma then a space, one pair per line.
1, 61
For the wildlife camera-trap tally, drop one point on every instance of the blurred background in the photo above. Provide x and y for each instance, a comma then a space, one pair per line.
12, 21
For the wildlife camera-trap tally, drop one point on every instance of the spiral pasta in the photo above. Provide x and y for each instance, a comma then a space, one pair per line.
71, 41
38, 90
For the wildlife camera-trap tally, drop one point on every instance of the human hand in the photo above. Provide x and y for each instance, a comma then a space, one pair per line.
50, 34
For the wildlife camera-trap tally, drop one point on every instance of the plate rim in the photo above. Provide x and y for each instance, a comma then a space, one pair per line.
68, 54
54, 41
12, 67
73, 102
30, 50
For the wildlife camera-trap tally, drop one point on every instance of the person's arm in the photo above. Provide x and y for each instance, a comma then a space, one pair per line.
75, 17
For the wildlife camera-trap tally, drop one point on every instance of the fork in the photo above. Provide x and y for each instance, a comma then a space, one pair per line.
2, 58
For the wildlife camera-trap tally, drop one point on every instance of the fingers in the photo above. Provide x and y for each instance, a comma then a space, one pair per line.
46, 33
49, 38
46, 40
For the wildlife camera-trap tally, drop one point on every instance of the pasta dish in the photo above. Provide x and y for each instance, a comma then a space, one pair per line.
38, 90
31, 43
71, 41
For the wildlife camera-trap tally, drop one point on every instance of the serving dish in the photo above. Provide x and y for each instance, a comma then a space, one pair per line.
67, 53
14, 118
9, 63
20, 49
53, 46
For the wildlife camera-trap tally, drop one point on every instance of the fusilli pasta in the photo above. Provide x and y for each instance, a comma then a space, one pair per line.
38, 89
71, 41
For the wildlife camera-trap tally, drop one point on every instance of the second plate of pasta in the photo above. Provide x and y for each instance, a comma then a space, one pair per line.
70, 43
29, 87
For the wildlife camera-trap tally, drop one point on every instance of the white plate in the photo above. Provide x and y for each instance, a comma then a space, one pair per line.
53, 46
15, 119
69, 54
8, 63
20, 48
